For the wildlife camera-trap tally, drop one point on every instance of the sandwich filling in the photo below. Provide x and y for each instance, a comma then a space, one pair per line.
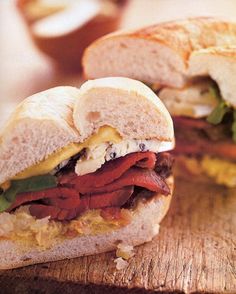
107, 178
205, 128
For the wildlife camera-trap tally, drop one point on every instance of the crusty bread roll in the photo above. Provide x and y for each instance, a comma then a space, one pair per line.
220, 64
156, 54
39, 126
43, 123
144, 226
127, 105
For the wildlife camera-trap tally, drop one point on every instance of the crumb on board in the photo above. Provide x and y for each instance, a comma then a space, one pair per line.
123, 253
120, 263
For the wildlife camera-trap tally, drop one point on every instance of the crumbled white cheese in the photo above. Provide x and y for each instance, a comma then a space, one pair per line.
129, 146
95, 156
96, 151
93, 159
194, 100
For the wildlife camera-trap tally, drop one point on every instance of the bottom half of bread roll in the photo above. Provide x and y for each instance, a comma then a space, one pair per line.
30, 241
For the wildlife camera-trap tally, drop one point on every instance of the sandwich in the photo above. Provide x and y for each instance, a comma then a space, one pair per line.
83, 171
191, 65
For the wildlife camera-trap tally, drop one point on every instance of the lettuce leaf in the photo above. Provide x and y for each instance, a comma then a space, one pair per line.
215, 92
28, 185
4, 204
218, 113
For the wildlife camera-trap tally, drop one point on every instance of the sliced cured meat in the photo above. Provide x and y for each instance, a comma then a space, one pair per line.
135, 176
111, 171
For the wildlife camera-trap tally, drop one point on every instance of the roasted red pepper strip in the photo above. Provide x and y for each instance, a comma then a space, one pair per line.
55, 211
110, 171
192, 123
225, 150
135, 176
59, 192
110, 186
201, 146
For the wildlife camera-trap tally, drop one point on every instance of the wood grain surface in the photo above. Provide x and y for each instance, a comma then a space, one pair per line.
194, 252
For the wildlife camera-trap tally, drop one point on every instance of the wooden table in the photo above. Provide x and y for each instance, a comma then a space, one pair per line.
195, 250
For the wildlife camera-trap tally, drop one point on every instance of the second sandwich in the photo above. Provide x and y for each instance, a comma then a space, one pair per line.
191, 64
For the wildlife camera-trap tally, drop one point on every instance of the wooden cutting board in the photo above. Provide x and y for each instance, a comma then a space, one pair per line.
194, 252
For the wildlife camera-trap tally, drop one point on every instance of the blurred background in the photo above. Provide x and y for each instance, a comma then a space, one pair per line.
41, 41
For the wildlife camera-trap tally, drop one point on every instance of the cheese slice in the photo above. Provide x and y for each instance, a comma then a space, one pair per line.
105, 134
194, 100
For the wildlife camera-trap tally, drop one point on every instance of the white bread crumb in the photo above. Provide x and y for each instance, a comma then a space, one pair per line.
120, 263
123, 253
